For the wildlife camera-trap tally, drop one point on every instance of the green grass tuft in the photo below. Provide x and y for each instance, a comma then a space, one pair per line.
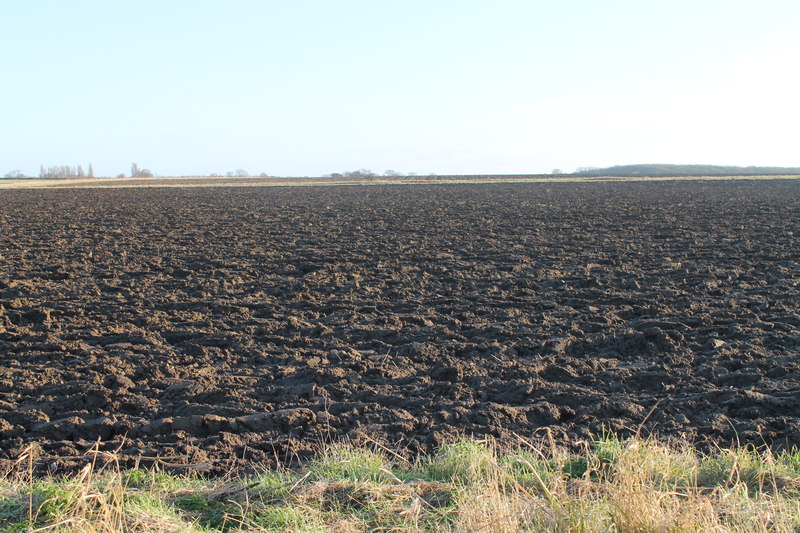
343, 463
462, 463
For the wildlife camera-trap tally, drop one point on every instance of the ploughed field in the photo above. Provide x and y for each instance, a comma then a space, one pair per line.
231, 325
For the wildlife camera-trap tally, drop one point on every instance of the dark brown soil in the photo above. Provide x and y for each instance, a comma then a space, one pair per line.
234, 325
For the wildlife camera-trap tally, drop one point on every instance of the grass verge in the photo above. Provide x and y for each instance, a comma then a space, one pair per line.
613, 485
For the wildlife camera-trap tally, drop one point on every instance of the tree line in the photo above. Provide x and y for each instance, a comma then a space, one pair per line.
684, 170
66, 171
75, 172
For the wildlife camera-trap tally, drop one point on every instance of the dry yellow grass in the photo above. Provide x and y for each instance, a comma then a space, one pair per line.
205, 181
620, 486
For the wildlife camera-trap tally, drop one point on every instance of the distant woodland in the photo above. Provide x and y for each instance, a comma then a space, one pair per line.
685, 170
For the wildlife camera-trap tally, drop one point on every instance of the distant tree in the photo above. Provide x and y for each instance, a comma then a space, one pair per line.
241, 173
556, 171
360, 173
391, 174
15, 174
90, 173
264, 175
229, 174
120, 175
581, 170
137, 172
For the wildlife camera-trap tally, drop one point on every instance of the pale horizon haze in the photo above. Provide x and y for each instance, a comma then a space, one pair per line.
308, 88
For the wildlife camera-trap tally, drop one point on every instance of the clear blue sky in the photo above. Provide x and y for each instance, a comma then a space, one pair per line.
312, 87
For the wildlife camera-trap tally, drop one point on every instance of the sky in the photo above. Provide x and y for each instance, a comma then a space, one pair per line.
311, 87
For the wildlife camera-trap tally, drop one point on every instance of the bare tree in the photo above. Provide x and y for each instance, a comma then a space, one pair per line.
137, 172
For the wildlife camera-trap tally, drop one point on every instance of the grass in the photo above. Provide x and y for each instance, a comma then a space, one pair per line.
253, 181
614, 485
